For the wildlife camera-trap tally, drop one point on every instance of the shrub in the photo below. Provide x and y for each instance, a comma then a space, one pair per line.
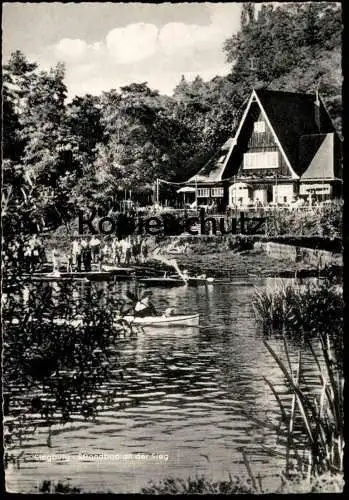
200, 485
325, 220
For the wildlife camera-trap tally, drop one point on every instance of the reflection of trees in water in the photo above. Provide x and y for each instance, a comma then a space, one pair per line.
58, 353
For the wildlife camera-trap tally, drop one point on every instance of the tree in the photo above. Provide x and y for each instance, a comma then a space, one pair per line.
38, 154
85, 129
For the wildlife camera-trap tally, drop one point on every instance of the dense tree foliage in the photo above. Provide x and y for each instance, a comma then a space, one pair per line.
293, 47
59, 156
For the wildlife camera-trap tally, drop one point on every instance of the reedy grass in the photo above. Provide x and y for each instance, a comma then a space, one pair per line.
324, 483
303, 312
313, 425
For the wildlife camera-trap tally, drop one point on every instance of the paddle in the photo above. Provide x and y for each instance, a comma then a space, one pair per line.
169, 262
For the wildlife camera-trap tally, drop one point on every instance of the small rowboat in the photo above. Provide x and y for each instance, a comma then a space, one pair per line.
77, 275
117, 269
120, 273
197, 280
161, 281
165, 321
90, 275
56, 278
174, 281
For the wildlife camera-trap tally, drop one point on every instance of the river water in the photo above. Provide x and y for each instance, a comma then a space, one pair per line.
189, 404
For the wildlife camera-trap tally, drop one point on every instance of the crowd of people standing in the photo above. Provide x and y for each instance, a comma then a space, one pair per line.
31, 254
26, 252
85, 251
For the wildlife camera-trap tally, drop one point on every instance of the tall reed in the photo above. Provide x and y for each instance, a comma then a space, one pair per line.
313, 424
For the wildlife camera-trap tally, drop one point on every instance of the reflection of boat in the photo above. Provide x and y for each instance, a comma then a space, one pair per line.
158, 321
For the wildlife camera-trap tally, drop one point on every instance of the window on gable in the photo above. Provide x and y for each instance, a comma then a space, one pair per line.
259, 127
268, 159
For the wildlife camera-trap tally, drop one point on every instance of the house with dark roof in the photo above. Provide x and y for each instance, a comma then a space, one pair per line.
285, 148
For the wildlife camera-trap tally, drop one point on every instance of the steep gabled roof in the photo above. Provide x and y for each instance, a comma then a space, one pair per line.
322, 166
213, 169
211, 172
291, 116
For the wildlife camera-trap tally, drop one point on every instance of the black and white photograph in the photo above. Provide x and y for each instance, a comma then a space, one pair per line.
172, 248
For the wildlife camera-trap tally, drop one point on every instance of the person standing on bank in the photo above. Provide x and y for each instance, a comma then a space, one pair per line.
76, 251
95, 244
83, 244
86, 255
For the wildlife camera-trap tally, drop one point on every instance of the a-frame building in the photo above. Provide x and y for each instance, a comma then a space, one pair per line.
285, 147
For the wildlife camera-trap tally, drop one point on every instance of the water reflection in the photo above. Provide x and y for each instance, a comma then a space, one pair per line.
192, 393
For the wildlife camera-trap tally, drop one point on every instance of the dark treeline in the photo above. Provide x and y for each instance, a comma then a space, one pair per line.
59, 156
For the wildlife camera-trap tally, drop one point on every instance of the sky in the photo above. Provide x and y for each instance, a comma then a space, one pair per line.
108, 45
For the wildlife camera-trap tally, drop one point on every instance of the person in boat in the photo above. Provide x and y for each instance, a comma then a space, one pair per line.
144, 306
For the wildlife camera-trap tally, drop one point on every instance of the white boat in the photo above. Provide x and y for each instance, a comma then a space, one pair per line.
161, 321
117, 269
184, 320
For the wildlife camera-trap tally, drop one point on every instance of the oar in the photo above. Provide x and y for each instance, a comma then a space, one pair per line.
169, 262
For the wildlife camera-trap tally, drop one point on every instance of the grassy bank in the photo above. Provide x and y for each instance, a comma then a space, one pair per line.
234, 485
220, 262
325, 483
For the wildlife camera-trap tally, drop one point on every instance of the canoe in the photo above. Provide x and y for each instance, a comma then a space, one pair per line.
174, 281
120, 273
56, 278
167, 282
117, 270
90, 275
196, 280
165, 321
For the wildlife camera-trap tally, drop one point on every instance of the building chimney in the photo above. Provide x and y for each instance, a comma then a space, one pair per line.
317, 111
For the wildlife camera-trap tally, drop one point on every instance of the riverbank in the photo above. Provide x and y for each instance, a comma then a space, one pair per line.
326, 483
232, 256
220, 262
